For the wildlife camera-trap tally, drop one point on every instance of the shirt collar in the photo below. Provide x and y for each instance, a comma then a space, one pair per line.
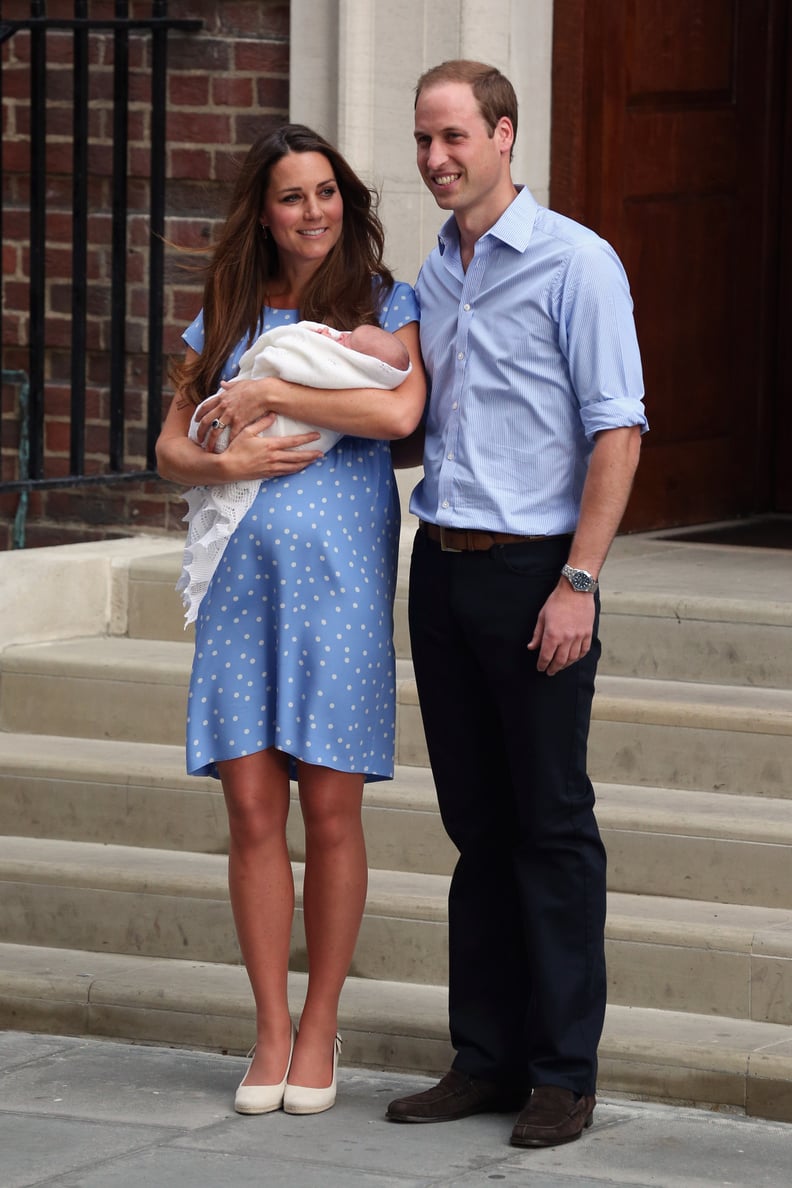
513, 228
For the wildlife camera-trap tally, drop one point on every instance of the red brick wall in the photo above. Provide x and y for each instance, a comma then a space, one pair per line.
226, 83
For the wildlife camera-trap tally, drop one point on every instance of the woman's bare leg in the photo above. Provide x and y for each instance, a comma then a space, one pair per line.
261, 887
336, 877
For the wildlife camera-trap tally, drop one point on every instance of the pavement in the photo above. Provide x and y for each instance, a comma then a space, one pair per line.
87, 1113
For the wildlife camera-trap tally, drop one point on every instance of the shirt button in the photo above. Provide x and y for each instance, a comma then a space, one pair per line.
445, 503
455, 404
466, 305
461, 355
450, 457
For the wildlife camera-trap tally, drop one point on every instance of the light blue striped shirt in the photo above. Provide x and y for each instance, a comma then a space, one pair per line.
530, 353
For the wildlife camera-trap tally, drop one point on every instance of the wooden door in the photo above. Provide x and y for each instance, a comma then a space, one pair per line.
782, 420
666, 131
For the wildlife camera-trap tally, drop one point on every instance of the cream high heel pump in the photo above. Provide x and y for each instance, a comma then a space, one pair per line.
263, 1099
300, 1099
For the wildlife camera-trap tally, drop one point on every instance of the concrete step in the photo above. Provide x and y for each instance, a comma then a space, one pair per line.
155, 610
666, 953
694, 641
99, 687
697, 845
665, 632
656, 733
661, 841
163, 903
672, 734
705, 737
138, 794
103, 790
720, 1063
707, 958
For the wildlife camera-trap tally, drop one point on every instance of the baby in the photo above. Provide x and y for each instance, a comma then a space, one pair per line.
370, 341
305, 353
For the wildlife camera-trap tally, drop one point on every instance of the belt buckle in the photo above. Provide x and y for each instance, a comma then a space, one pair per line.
444, 547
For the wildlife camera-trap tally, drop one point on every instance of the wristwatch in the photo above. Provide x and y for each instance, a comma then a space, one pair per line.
580, 580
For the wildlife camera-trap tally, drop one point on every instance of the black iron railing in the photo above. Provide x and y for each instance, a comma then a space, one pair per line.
30, 471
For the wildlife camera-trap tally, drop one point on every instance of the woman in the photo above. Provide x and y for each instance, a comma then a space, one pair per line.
293, 671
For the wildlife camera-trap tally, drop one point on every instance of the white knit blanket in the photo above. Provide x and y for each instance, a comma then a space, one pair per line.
298, 354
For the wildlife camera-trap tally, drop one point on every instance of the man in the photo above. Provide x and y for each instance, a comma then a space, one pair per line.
531, 443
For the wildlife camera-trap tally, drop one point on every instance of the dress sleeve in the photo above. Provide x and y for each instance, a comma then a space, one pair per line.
400, 307
193, 336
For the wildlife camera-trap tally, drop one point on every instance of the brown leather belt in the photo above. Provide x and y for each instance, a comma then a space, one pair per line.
472, 540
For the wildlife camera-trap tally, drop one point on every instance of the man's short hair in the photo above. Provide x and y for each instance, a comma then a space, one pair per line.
492, 90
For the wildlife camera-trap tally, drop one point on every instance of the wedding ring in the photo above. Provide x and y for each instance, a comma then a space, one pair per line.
217, 424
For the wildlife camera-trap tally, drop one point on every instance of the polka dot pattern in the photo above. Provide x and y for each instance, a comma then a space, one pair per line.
294, 635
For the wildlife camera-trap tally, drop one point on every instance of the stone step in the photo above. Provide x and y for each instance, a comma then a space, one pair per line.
97, 687
708, 958
705, 737
655, 733
720, 1063
697, 612
660, 632
696, 641
697, 845
155, 610
164, 903
663, 953
104, 790
138, 794
660, 841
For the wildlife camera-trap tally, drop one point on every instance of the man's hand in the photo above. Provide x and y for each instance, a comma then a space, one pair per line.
564, 629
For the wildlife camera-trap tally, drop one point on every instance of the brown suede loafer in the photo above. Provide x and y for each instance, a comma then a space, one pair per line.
552, 1116
455, 1096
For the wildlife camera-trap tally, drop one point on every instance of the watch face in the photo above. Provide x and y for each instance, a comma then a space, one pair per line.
580, 580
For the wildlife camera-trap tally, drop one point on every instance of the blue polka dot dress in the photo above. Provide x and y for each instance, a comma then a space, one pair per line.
294, 636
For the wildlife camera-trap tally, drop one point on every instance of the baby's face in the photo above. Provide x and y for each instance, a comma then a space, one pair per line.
342, 338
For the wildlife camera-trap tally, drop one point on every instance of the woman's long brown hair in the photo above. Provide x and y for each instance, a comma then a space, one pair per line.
343, 291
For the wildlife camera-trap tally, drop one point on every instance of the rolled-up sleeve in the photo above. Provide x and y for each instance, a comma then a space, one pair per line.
598, 339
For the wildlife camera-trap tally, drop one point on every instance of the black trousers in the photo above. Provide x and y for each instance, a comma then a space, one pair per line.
507, 745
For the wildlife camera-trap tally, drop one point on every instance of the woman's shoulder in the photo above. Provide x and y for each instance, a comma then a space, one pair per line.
399, 306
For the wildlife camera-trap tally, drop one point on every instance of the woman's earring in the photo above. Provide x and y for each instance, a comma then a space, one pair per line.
265, 229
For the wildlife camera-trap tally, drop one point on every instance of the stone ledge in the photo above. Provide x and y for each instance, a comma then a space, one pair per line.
653, 1055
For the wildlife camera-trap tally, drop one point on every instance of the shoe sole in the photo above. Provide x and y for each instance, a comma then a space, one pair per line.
253, 1113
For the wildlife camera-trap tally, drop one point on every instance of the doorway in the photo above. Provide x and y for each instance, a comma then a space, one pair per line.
671, 128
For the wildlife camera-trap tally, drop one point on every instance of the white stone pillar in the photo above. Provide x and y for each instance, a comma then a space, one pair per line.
354, 64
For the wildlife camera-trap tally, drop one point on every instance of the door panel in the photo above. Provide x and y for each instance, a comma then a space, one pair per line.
663, 131
782, 422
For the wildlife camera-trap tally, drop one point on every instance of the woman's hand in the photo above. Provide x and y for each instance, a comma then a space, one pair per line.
247, 457
268, 457
240, 403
